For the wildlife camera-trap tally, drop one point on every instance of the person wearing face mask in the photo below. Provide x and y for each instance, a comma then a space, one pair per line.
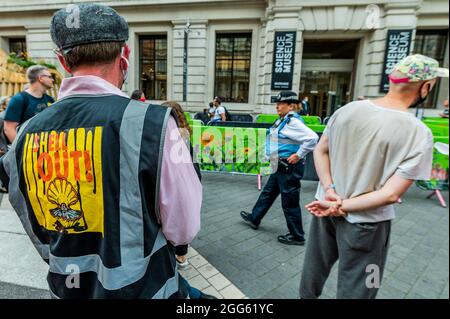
94, 179
370, 153
138, 95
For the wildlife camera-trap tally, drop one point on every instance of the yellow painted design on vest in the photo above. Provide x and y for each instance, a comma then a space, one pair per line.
63, 175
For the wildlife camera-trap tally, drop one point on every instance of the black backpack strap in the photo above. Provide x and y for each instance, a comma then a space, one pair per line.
4, 178
26, 102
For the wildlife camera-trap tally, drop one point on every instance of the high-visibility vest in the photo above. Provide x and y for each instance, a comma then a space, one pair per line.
279, 144
84, 179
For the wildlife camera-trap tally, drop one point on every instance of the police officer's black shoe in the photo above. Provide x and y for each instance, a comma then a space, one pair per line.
245, 217
288, 239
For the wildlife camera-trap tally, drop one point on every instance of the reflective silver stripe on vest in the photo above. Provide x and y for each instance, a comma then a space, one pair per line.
130, 203
170, 287
16, 197
161, 151
280, 140
118, 277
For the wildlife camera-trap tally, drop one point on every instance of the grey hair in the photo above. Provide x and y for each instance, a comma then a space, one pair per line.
34, 71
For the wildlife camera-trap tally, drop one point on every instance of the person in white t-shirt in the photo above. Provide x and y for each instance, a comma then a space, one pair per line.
211, 110
369, 155
219, 113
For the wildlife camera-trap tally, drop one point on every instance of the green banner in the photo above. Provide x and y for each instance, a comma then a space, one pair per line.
439, 171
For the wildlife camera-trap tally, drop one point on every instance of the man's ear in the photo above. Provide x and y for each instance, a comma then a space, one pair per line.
433, 83
63, 63
427, 87
126, 51
124, 57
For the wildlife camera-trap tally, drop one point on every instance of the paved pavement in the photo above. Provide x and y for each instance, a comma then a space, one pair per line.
417, 266
230, 260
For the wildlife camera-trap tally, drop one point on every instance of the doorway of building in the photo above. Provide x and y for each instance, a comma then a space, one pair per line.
327, 74
326, 91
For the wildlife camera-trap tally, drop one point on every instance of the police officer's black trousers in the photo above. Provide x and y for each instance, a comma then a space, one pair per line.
289, 187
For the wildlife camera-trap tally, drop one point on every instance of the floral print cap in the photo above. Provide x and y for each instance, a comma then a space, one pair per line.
418, 68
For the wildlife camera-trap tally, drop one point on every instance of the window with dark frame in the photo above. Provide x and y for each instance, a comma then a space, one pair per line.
153, 66
432, 43
18, 46
232, 70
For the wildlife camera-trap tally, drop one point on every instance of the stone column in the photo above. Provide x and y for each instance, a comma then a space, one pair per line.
397, 15
40, 45
197, 64
278, 18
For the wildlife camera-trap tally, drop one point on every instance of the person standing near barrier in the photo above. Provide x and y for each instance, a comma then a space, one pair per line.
370, 153
186, 133
220, 112
138, 95
444, 113
289, 141
211, 110
94, 179
305, 106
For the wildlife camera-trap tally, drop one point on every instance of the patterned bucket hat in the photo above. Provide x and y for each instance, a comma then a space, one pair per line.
418, 68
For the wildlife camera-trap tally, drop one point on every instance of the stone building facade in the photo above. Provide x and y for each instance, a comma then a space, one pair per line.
338, 54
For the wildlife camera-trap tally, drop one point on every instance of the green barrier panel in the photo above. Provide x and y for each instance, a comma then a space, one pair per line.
188, 116
442, 139
266, 118
195, 122
438, 130
270, 118
318, 128
233, 149
242, 150
436, 119
312, 119
230, 149
436, 123
439, 171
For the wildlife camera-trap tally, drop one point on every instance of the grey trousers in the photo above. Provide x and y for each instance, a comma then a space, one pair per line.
361, 250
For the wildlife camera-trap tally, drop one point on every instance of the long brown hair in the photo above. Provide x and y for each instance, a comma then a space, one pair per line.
183, 123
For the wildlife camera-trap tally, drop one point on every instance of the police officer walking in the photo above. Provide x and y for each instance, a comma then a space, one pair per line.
91, 177
289, 141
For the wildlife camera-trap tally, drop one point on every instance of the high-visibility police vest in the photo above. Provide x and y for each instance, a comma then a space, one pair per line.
84, 180
279, 144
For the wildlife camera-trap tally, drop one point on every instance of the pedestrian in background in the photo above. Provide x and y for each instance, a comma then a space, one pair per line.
305, 106
28, 103
185, 132
444, 113
138, 95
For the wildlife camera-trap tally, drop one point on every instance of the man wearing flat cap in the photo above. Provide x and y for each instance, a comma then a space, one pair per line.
288, 142
370, 153
91, 177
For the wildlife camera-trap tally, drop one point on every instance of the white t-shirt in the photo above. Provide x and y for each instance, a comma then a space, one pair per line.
367, 145
219, 110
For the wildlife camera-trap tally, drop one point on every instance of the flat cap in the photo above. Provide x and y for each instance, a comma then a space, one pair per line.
87, 23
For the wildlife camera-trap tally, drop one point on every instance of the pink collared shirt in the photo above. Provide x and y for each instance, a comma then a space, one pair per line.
180, 195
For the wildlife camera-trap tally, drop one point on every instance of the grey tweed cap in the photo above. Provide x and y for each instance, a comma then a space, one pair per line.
87, 23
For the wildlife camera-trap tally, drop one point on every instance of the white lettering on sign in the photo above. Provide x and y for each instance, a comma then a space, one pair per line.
284, 53
398, 48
